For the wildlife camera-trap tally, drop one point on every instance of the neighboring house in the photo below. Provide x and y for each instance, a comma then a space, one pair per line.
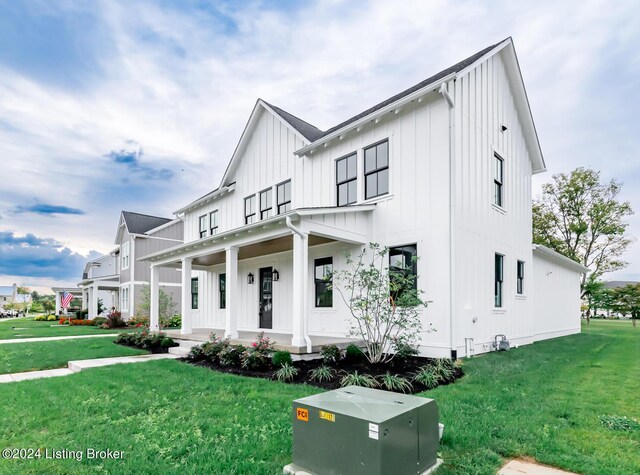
441, 171
100, 280
8, 294
137, 235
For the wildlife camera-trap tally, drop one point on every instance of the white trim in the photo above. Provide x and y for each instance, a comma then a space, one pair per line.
558, 258
164, 226
206, 198
146, 236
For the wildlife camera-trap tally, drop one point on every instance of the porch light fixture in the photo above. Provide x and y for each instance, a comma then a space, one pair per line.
275, 276
250, 278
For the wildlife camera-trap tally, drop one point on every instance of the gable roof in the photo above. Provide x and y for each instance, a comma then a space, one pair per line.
6, 290
310, 132
138, 223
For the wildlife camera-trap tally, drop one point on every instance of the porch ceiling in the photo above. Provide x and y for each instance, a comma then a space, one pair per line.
271, 246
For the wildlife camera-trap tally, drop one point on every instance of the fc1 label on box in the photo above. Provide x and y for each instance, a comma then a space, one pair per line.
327, 416
373, 431
302, 414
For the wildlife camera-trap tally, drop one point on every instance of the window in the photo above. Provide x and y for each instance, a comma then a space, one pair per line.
497, 180
213, 221
266, 206
403, 273
346, 180
124, 298
203, 225
376, 170
194, 293
125, 255
499, 277
250, 209
222, 290
520, 278
323, 277
284, 196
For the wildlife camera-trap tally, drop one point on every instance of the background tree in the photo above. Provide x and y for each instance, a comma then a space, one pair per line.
167, 306
592, 293
385, 306
627, 301
582, 218
24, 293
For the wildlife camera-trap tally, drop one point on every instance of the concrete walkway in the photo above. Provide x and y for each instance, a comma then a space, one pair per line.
53, 338
81, 365
523, 467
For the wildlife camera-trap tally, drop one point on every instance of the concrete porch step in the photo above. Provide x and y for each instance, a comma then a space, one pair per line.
180, 350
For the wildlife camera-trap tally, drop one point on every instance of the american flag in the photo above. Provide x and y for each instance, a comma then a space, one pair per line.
66, 299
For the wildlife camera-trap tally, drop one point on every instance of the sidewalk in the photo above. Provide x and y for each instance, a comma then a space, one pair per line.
524, 467
81, 365
53, 338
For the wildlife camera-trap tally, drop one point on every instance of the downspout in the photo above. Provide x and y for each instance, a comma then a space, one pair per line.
305, 324
445, 93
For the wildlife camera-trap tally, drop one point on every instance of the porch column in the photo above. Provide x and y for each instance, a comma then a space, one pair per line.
186, 297
154, 303
57, 302
93, 309
300, 286
231, 290
85, 299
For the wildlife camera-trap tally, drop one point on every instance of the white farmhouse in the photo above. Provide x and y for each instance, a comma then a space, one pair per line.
441, 170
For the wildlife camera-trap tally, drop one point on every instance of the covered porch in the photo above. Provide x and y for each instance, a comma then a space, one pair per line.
91, 288
259, 278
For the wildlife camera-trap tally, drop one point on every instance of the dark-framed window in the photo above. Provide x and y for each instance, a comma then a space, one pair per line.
194, 293
498, 279
250, 209
347, 180
498, 178
403, 273
266, 203
222, 290
283, 191
376, 170
520, 277
323, 278
213, 222
202, 225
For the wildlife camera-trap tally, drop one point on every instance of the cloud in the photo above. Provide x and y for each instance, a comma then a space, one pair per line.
47, 209
132, 160
34, 256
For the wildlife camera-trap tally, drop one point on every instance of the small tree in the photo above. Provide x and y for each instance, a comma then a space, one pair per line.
385, 306
166, 308
25, 293
627, 301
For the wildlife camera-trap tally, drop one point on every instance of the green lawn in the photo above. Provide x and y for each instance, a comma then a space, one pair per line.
18, 357
27, 328
541, 401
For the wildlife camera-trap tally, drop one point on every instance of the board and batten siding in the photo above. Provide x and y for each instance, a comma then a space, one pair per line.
416, 210
556, 306
266, 160
483, 104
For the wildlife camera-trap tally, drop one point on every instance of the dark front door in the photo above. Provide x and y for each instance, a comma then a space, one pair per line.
266, 298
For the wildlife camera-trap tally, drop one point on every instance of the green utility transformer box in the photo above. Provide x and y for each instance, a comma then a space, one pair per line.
355, 430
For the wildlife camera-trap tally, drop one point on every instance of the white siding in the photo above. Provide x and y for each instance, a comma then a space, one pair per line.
483, 103
266, 161
556, 306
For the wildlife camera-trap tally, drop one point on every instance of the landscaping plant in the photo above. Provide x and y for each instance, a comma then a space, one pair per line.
258, 354
353, 352
280, 358
357, 379
330, 354
393, 382
286, 372
444, 369
385, 303
322, 374
426, 376
230, 355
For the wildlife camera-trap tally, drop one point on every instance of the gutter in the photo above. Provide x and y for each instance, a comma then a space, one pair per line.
305, 323
206, 198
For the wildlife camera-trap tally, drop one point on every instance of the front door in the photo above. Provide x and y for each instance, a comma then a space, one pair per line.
266, 298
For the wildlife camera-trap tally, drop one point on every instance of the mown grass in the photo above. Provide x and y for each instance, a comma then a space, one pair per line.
541, 401
27, 328
18, 357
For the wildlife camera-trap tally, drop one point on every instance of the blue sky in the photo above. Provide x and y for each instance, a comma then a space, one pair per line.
118, 105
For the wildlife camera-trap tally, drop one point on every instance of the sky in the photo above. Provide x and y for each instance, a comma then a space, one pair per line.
112, 105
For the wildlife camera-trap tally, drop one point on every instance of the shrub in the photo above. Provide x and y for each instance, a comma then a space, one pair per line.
405, 351
353, 352
330, 354
174, 321
258, 354
167, 343
322, 374
286, 372
280, 358
357, 379
444, 369
212, 348
40, 318
154, 342
138, 321
115, 320
99, 321
195, 353
230, 356
51, 318
75, 321
426, 376
393, 382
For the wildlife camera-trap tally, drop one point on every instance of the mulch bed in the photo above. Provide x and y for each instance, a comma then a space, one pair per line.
404, 368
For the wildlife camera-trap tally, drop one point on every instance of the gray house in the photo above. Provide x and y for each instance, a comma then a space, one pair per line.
139, 235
